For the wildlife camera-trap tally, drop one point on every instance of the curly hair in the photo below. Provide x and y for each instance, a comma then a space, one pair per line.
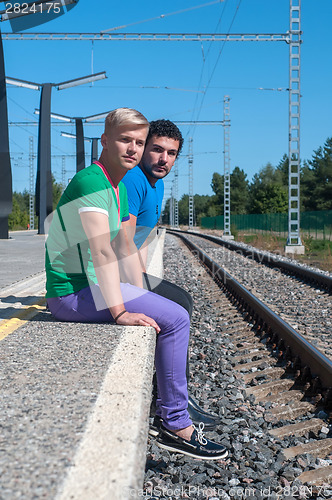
165, 128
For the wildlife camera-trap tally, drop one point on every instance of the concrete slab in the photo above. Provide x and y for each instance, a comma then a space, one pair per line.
295, 249
110, 460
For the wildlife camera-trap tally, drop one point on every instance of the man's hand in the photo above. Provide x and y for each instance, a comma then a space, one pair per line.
137, 319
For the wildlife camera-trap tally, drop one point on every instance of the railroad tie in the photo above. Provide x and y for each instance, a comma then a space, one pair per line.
288, 411
274, 387
319, 448
317, 476
313, 425
269, 373
254, 364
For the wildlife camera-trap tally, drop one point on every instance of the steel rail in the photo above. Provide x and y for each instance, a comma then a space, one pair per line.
307, 274
320, 366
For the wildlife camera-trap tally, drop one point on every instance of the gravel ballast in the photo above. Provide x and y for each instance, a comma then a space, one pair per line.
307, 309
256, 467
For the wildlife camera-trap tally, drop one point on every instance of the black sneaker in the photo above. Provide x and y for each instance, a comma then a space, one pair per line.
155, 426
197, 447
198, 415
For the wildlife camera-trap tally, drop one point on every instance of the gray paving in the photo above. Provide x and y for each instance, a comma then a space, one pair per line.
21, 256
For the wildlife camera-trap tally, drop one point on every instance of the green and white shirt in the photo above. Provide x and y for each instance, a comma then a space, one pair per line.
68, 262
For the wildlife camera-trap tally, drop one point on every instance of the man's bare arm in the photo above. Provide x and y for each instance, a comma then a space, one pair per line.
127, 254
106, 267
142, 253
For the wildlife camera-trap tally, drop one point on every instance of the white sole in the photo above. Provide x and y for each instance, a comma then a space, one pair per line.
181, 452
153, 432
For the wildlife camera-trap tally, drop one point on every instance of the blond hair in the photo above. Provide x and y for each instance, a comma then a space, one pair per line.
124, 116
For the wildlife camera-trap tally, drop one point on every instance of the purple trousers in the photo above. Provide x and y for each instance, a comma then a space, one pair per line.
171, 345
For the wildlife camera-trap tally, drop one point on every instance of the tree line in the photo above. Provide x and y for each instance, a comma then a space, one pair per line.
268, 190
20, 217
266, 193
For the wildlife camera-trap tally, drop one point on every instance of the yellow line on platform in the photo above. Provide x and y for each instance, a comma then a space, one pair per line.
8, 326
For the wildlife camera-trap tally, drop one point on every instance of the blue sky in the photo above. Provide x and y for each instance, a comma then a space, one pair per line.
197, 75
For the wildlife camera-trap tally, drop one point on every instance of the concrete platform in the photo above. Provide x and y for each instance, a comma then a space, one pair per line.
76, 399
21, 256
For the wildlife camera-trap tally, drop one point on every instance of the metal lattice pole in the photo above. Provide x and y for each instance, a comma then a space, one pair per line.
63, 174
31, 185
191, 184
294, 243
171, 209
227, 178
176, 195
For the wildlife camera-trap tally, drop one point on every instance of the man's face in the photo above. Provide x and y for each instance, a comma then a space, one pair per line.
159, 156
123, 146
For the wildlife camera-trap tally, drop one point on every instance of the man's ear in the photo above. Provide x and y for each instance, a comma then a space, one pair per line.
103, 141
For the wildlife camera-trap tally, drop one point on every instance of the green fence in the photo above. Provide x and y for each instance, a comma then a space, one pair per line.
317, 224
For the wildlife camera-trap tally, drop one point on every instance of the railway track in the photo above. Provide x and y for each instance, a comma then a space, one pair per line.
305, 305
310, 276
284, 381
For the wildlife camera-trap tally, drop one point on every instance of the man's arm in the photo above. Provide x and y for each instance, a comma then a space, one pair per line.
127, 254
143, 251
105, 263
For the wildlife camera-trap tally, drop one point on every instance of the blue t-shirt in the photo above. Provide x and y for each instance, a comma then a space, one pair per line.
144, 202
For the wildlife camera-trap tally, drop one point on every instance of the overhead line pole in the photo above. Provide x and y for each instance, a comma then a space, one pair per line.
191, 184
294, 243
227, 174
31, 185
176, 194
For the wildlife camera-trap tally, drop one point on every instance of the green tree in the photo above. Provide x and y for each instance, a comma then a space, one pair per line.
268, 194
19, 217
165, 214
184, 209
57, 190
239, 191
217, 185
202, 205
282, 167
316, 179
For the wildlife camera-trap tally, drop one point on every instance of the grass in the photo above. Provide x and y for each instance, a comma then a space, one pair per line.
318, 253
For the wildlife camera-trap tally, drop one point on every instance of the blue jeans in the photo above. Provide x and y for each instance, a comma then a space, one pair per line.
171, 344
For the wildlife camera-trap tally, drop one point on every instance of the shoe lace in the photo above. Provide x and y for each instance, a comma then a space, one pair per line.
200, 436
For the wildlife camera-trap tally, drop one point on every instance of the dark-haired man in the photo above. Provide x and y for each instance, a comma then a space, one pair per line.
145, 189
144, 183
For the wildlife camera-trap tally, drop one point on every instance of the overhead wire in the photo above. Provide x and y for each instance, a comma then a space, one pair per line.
28, 131
25, 152
162, 16
205, 57
217, 61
